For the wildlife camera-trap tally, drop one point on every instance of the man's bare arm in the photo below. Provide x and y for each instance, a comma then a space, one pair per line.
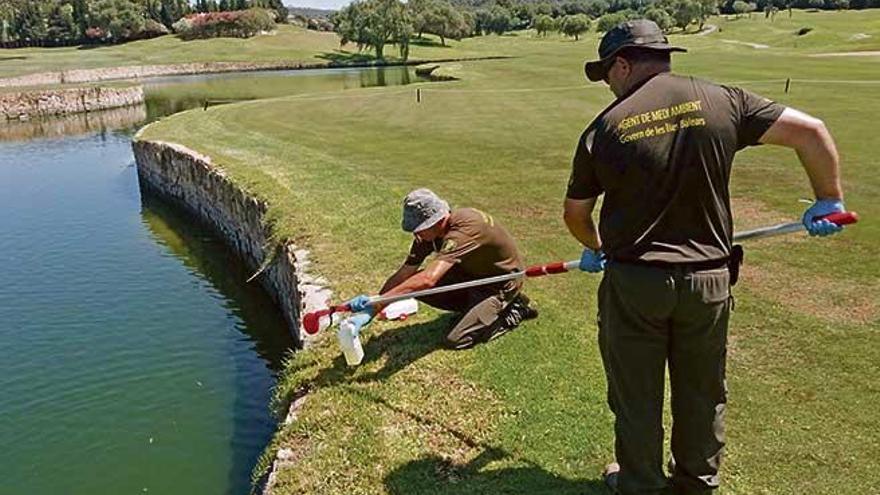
424, 279
578, 218
815, 148
404, 272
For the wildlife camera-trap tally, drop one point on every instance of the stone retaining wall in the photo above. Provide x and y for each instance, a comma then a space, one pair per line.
22, 105
76, 76
191, 180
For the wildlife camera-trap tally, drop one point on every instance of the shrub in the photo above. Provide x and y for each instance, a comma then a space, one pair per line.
252, 22
182, 26
152, 29
236, 24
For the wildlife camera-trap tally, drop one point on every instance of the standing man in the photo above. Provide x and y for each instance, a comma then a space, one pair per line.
661, 153
469, 245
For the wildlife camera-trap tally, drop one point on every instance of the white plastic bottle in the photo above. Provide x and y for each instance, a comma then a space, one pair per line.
400, 310
350, 343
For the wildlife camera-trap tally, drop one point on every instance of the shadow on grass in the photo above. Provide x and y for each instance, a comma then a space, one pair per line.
13, 57
427, 42
439, 476
343, 57
399, 346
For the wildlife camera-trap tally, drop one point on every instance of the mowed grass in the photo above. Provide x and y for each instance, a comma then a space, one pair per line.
526, 413
288, 43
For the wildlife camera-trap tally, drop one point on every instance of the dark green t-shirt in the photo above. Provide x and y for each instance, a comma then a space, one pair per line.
662, 156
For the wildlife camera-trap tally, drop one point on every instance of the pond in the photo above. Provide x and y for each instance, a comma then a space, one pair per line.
134, 358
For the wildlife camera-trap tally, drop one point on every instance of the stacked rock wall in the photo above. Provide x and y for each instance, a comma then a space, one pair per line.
189, 179
77, 76
22, 105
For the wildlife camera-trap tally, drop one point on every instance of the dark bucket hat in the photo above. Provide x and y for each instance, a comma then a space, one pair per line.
639, 33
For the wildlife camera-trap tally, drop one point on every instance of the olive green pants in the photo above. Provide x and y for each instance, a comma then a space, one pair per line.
480, 308
650, 317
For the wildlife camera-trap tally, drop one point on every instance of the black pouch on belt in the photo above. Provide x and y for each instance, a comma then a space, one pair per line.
734, 262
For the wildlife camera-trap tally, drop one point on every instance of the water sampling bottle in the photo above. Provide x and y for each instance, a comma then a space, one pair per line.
350, 342
349, 331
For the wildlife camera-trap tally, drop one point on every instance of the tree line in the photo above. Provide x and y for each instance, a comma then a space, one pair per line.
67, 22
375, 24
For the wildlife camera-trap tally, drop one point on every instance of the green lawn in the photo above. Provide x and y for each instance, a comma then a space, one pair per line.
526, 413
289, 43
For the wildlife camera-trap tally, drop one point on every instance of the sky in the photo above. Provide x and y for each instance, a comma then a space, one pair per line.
319, 4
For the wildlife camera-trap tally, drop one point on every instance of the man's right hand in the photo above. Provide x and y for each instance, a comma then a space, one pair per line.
592, 261
361, 304
815, 225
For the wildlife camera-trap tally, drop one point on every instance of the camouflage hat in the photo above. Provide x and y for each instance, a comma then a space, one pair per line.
422, 209
638, 33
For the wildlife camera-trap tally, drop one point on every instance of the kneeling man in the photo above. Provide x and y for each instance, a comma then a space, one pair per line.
469, 245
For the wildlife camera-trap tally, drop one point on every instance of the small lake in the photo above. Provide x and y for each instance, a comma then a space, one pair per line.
134, 358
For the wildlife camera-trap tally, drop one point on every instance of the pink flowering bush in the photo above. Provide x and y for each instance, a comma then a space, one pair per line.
235, 24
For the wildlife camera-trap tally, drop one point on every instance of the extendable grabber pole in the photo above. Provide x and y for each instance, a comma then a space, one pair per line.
312, 321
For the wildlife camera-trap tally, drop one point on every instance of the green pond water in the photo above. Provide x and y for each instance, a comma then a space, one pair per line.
134, 358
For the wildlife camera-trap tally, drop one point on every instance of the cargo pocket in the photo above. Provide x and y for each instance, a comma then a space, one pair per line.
713, 286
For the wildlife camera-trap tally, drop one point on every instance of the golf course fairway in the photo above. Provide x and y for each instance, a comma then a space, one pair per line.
526, 413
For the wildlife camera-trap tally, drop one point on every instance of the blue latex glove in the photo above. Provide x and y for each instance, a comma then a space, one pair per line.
359, 321
592, 261
361, 304
820, 208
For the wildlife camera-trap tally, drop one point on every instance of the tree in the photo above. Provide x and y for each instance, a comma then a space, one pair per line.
574, 25
522, 14
837, 4
81, 15
596, 8
30, 22
117, 20
374, 23
740, 7
706, 9
499, 20
496, 19
660, 17
62, 26
684, 13
543, 8
608, 21
7, 20
442, 19
544, 24
417, 12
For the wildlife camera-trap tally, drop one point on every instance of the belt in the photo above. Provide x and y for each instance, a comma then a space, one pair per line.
694, 266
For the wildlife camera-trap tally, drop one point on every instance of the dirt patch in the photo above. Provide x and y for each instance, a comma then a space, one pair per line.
829, 299
873, 53
750, 213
